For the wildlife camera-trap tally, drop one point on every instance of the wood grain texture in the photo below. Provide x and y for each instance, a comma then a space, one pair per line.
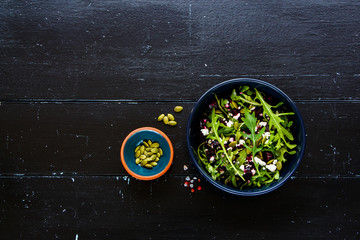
113, 208
77, 76
85, 138
93, 50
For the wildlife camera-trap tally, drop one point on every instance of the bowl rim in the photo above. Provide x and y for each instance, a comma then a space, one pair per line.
141, 177
238, 191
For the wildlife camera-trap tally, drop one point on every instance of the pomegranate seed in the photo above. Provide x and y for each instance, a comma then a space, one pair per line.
199, 188
192, 190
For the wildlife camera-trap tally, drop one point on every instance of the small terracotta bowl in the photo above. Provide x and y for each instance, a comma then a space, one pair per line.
134, 139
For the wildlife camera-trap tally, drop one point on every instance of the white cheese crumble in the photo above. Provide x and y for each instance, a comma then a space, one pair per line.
271, 167
205, 131
242, 167
266, 135
212, 159
274, 162
259, 161
229, 123
237, 116
241, 142
252, 109
262, 124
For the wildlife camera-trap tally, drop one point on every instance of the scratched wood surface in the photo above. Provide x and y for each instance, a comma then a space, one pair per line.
77, 76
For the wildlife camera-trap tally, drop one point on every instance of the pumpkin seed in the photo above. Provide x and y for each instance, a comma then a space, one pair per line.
270, 161
170, 117
279, 165
148, 153
248, 151
161, 117
178, 109
155, 145
232, 144
242, 110
143, 162
166, 120
236, 125
148, 166
218, 111
172, 123
137, 148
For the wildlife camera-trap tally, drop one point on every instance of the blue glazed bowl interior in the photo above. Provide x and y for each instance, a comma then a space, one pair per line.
224, 90
135, 140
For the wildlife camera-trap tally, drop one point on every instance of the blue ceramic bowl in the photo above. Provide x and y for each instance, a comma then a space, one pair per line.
224, 90
133, 140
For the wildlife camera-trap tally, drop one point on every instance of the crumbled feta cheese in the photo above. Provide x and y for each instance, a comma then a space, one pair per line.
267, 141
253, 171
259, 161
271, 167
241, 142
229, 148
274, 162
237, 116
230, 114
205, 131
231, 139
242, 167
266, 135
212, 158
252, 109
229, 123
262, 124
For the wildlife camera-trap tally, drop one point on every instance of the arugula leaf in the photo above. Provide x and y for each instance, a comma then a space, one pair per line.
215, 126
276, 121
250, 123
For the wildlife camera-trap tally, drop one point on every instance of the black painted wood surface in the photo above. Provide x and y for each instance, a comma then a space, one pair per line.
77, 76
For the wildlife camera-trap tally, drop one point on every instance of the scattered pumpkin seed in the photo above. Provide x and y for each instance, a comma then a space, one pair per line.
170, 117
279, 165
153, 164
149, 142
137, 154
154, 150
166, 120
145, 144
161, 117
137, 161
178, 109
172, 123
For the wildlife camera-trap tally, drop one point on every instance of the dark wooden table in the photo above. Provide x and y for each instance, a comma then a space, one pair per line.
78, 76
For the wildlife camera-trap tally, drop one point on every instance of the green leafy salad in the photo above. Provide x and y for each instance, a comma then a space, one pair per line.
245, 139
